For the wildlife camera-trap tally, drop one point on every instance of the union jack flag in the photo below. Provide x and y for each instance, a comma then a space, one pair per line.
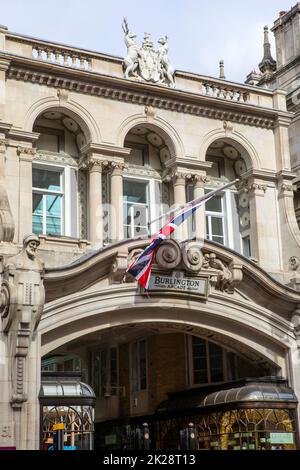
141, 267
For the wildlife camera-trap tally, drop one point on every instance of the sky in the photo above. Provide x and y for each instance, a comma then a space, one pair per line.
200, 32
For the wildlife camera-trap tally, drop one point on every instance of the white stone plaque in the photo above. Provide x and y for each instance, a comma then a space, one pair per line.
177, 282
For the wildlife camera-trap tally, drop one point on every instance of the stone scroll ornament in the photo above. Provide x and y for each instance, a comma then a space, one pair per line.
22, 298
146, 63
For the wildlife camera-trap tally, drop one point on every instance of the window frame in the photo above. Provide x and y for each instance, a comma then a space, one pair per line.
66, 197
102, 388
192, 383
151, 203
221, 215
134, 390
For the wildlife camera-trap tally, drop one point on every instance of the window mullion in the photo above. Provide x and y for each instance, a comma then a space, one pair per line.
44, 214
208, 362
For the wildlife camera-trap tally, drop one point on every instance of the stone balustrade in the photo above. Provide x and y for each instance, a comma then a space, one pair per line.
217, 89
61, 56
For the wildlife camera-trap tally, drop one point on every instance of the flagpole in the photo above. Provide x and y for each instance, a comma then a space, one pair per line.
192, 203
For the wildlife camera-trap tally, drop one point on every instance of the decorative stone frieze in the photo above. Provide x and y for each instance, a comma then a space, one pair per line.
21, 304
172, 103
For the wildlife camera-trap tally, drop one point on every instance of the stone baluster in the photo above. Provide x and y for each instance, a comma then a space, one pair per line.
40, 53
48, 54
82, 61
66, 57
89, 62
116, 199
56, 56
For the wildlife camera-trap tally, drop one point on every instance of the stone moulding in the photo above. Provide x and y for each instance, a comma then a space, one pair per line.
144, 94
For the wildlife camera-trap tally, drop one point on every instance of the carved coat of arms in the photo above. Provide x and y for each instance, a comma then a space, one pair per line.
144, 61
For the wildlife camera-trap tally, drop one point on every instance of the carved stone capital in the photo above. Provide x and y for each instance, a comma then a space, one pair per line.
93, 164
200, 180
287, 188
26, 153
3, 144
118, 167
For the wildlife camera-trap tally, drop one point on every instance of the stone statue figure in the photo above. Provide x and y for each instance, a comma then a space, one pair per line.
22, 298
166, 68
145, 62
131, 60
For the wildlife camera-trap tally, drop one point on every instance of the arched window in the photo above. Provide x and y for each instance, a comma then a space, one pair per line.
58, 187
228, 214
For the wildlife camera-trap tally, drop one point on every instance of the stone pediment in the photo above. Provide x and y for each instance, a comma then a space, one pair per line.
226, 270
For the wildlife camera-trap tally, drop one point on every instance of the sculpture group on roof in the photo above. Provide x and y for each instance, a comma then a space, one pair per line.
144, 62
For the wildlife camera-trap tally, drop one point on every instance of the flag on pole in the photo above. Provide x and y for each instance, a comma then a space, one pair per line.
141, 267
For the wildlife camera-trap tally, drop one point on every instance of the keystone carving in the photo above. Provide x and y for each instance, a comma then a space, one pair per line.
294, 263
22, 299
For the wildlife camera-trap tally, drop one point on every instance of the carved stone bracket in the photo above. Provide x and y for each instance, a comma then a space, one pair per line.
119, 266
22, 299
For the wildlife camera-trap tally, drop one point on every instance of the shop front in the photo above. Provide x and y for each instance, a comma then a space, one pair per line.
249, 414
66, 413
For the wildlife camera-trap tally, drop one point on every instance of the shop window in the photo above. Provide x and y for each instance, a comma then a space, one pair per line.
138, 366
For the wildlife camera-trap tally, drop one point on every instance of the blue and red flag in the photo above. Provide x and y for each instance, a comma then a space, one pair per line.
141, 267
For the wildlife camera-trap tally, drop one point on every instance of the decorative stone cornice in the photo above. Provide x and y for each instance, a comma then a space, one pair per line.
145, 94
107, 150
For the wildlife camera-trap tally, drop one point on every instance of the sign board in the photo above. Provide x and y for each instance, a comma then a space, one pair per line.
281, 438
58, 426
179, 283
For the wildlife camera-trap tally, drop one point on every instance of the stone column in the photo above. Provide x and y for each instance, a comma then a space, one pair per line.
26, 155
95, 167
264, 225
116, 200
200, 222
179, 200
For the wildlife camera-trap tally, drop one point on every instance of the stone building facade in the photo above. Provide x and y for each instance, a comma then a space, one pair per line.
88, 158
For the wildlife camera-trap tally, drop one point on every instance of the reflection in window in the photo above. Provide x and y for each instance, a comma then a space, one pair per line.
47, 201
215, 219
135, 208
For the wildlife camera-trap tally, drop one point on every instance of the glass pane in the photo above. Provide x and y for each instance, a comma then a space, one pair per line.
199, 360
217, 226
143, 370
140, 216
37, 216
113, 369
214, 204
216, 362
246, 247
218, 239
135, 191
46, 179
53, 208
